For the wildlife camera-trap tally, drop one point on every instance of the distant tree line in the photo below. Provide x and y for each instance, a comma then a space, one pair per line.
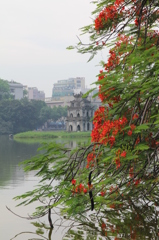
24, 115
4, 90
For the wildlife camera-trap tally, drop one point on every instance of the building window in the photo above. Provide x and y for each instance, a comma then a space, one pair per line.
70, 128
78, 128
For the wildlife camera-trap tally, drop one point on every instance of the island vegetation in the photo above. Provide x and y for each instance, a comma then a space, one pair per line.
51, 134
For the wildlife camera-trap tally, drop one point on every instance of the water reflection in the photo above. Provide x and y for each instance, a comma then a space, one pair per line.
128, 221
13, 182
12, 153
40, 231
123, 222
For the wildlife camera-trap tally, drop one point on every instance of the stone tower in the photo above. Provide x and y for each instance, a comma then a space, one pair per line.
79, 114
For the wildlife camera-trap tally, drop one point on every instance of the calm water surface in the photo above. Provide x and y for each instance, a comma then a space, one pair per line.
13, 182
137, 222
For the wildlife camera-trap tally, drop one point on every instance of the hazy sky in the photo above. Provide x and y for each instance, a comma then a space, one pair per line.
34, 36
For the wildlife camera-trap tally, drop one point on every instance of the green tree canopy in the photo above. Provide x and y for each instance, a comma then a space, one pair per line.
4, 89
24, 115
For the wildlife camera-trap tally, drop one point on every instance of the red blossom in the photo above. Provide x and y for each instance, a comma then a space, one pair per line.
136, 21
132, 126
135, 116
73, 181
103, 226
136, 182
131, 172
129, 132
137, 141
111, 140
111, 189
117, 161
85, 190
112, 206
81, 186
102, 193
109, 12
123, 154
104, 130
91, 157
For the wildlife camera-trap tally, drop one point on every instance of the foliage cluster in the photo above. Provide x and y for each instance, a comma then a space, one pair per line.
23, 115
4, 90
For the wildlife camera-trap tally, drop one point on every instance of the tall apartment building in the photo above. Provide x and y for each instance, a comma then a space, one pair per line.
34, 93
66, 87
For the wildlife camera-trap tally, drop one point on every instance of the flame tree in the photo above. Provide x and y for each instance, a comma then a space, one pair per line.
120, 166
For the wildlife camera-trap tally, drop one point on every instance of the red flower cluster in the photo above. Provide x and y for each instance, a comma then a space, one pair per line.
102, 193
103, 226
108, 13
91, 157
118, 11
136, 182
105, 130
129, 132
131, 172
112, 206
135, 116
132, 127
113, 61
117, 161
73, 181
136, 21
123, 154
118, 156
79, 188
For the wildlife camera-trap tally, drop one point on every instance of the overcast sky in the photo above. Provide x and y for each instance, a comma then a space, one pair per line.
34, 36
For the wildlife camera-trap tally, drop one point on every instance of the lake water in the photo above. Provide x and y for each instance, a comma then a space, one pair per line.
13, 182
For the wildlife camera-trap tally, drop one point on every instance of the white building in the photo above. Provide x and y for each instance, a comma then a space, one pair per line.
16, 90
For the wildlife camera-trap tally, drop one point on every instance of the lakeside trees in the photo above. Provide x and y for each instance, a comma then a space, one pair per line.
19, 115
23, 115
118, 172
4, 90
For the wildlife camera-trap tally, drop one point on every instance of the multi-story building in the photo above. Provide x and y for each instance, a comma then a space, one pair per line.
65, 101
79, 114
34, 93
16, 89
65, 88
